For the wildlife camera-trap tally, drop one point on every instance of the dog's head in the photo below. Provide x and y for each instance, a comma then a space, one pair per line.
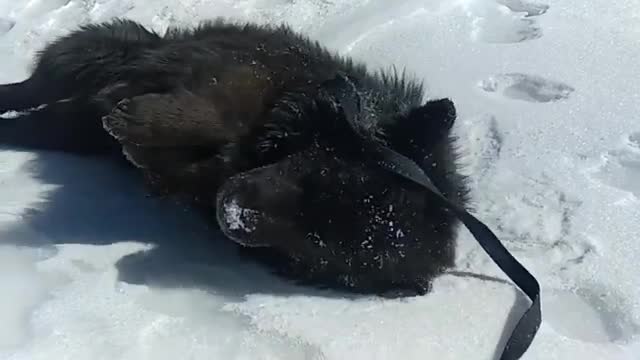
330, 208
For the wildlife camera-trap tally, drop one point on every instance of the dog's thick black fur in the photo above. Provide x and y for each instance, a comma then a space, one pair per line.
236, 119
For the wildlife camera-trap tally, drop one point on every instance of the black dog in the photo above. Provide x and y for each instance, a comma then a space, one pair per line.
243, 122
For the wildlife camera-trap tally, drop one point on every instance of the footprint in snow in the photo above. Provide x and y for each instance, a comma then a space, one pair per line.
621, 167
531, 9
483, 139
506, 21
526, 87
6, 25
633, 141
593, 314
534, 216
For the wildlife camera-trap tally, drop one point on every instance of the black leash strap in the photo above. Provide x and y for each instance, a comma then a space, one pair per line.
526, 329
345, 93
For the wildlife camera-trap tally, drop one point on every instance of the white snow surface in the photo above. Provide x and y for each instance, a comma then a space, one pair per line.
548, 96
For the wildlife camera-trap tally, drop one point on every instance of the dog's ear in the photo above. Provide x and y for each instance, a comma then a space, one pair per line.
339, 105
418, 131
433, 119
341, 92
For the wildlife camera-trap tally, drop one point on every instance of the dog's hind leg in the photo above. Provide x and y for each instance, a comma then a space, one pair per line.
71, 126
84, 62
20, 96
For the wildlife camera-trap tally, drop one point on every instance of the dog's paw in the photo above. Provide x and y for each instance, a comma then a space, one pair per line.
109, 97
124, 126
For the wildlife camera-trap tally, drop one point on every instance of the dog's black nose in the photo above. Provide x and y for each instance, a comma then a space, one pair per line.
236, 218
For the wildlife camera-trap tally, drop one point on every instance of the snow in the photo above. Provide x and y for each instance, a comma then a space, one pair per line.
548, 97
236, 216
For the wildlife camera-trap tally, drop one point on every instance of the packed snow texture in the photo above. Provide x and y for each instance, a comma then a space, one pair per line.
548, 96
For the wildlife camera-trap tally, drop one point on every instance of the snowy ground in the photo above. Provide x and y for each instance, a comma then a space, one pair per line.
549, 102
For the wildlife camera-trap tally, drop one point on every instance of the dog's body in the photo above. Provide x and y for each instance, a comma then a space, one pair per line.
235, 119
